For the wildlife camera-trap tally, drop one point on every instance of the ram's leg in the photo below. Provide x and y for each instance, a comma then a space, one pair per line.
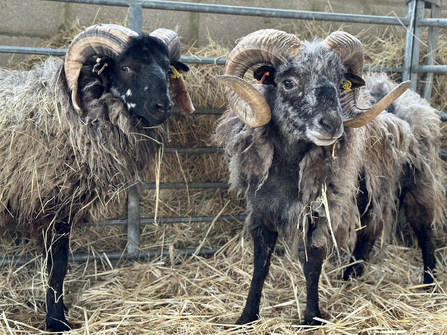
424, 234
416, 207
363, 246
366, 236
420, 219
313, 263
312, 270
264, 240
57, 259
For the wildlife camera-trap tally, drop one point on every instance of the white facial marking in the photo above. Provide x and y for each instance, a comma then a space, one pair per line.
146, 88
131, 105
129, 93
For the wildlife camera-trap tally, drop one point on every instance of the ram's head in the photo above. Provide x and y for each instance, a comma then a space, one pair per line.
136, 69
313, 88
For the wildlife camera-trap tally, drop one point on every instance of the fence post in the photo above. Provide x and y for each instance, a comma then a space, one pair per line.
133, 221
432, 45
136, 17
408, 47
417, 32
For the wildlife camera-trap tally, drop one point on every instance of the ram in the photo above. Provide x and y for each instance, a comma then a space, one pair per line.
73, 133
311, 160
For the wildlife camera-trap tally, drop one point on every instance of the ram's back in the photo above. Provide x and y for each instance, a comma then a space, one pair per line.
412, 127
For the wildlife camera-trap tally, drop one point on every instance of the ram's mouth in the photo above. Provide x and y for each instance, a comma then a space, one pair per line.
158, 118
321, 139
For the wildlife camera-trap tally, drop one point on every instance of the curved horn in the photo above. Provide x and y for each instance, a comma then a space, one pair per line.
100, 39
171, 39
268, 46
252, 101
176, 84
367, 115
350, 50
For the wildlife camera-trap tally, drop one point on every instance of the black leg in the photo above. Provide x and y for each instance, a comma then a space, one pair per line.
57, 260
312, 271
363, 246
264, 241
424, 235
419, 211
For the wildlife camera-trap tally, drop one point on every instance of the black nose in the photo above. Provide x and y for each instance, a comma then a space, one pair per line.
331, 124
163, 108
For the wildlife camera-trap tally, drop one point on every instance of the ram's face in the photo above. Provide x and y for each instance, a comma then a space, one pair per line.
307, 105
140, 80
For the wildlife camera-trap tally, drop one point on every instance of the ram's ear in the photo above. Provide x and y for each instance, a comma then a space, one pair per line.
356, 81
102, 64
265, 75
180, 67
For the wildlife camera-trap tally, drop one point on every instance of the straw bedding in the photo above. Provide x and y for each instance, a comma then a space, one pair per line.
198, 295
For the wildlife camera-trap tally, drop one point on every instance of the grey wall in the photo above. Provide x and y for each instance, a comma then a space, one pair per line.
31, 22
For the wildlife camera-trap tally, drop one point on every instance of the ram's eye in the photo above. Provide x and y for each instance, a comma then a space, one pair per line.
125, 69
289, 84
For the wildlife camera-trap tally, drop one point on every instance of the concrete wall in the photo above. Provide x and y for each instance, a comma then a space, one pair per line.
31, 22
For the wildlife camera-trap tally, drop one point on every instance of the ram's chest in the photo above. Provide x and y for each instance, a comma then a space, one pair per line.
279, 196
296, 187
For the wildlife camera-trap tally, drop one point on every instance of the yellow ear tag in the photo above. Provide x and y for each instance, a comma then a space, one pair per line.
175, 74
347, 85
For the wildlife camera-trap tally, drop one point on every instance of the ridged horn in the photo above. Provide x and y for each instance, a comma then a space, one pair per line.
350, 50
267, 46
100, 39
367, 115
176, 84
171, 39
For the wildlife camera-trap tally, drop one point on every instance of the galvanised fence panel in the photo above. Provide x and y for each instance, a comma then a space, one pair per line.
413, 21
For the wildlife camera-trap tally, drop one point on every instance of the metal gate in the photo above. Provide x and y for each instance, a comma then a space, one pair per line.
414, 21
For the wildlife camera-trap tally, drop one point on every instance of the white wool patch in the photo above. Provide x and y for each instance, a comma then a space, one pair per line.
129, 93
131, 105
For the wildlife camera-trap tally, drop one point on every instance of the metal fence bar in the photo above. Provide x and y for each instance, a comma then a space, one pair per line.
216, 111
409, 39
161, 220
193, 150
114, 255
133, 221
441, 23
430, 68
32, 51
136, 17
184, 59
250, 11
417, 32
178, 186
432, 44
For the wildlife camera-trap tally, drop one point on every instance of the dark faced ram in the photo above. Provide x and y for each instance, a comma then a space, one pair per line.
75, 134
311, 161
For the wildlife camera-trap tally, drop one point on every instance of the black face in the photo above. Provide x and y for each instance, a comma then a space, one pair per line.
139, 78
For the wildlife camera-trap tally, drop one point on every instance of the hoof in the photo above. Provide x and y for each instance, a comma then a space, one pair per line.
310, 321
353, 271
58, 325
243, 320
428, 278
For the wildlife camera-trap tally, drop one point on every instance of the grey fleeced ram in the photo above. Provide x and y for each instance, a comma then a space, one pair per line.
74, 135
318, 160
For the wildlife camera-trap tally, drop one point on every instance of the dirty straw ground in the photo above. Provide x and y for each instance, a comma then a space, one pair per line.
197, 295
